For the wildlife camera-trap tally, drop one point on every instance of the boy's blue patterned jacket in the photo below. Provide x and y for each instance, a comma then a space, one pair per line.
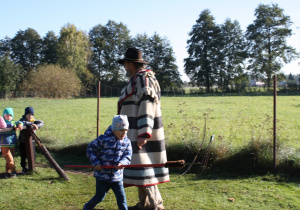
107, 150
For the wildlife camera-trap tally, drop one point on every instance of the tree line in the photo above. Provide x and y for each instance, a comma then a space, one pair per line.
219, 55
91, 57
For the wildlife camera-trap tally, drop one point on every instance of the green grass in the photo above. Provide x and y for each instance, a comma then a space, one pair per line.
243, 132
45, 190
233, 120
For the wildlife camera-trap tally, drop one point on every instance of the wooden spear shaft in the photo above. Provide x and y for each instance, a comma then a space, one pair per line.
169, 164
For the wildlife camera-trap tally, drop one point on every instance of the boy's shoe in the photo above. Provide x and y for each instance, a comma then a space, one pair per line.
10, 175
24, 171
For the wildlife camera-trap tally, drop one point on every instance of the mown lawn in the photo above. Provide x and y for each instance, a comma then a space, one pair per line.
45, 190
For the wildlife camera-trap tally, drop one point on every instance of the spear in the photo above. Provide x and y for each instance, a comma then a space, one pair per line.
169, 164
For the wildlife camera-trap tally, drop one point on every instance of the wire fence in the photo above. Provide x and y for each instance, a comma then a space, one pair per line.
110, 91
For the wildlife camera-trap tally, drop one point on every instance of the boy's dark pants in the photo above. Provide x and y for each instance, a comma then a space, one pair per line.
102, 188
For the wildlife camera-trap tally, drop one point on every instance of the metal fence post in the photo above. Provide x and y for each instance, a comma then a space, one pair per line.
274, 122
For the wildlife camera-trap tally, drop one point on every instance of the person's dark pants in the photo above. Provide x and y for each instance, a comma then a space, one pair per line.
23, 153
102, 188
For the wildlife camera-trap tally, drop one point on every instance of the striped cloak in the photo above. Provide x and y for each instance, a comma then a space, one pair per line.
140, 101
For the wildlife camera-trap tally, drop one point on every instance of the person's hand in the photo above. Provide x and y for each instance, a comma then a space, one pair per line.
98, 167
19, 127
119, 166
34, 127
141, 142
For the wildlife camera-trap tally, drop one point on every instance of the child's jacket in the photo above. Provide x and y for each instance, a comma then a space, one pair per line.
107, 150
25, 134
9, 138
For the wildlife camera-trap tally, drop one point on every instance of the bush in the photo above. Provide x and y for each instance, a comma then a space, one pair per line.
52, 81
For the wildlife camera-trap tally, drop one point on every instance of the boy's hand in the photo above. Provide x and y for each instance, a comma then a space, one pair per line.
19, 127
119, 166
98, 167
141, 142
34, 127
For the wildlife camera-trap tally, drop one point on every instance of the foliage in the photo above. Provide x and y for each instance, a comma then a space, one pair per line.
159, 53
218, 57
233, 51
49, 48
267, 42
10, 74
109, 43
26, 49
202, 47
73, 51
52, 81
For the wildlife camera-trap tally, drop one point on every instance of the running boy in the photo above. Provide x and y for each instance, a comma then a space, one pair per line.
113, 148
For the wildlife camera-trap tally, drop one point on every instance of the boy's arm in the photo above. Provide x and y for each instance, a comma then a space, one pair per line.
92, 151
39, 123
126, 157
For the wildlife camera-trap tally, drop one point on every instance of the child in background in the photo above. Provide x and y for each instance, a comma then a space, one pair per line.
29, 121
113, 148
8, 142
2, 125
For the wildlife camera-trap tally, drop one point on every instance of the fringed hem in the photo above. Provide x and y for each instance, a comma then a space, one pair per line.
133, 185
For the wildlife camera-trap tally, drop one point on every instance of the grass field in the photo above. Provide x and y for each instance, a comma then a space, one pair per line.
45, 190
238, 123
234, 120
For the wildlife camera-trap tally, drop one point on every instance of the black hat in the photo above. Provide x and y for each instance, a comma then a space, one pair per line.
29, 110
133, 55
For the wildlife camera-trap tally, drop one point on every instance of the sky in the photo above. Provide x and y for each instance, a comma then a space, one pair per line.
172, 19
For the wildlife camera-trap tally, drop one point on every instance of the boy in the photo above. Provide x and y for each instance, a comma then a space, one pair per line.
113, 148
29, 121
8, 142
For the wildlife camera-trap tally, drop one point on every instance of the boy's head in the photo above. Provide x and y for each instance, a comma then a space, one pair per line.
8, 114
120, 126
29, 110
29, 113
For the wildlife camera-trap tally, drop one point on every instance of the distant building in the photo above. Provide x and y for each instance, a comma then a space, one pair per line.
256, 83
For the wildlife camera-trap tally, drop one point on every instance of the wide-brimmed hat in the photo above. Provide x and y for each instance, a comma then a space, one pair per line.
133, 55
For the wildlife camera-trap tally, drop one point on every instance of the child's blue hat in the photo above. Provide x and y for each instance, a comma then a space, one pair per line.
8, 110
29, 110
120, 122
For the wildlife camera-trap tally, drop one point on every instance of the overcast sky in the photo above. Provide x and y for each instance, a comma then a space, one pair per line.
172, 19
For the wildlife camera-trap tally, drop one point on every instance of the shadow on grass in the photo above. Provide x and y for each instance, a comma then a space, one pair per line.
250, 161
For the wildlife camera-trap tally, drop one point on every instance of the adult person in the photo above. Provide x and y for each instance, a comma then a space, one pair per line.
140, 101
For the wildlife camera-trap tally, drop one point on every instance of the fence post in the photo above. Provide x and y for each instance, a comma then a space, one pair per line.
274, 122
98, 107
30, 153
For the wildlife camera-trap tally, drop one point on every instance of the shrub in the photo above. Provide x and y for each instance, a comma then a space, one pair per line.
52, 81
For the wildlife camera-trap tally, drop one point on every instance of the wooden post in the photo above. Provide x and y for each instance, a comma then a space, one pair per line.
98, 109
30, 153
48, 156
274, 122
